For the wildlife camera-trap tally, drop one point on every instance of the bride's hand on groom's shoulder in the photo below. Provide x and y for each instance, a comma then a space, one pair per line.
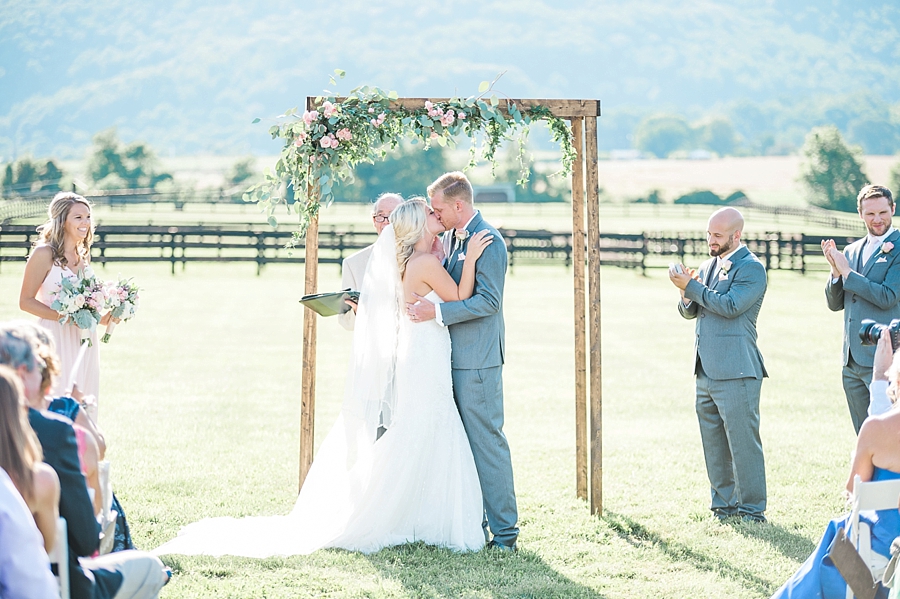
477, 243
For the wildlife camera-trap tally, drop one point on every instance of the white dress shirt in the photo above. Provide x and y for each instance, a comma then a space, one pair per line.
24, 565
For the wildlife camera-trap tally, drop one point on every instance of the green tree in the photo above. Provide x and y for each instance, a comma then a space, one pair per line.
895, 180
716, 134
831, 170
112, 165
30, 176
662, 134
242, 172
407, 170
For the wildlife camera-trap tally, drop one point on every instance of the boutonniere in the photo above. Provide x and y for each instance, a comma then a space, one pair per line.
886, 247
723, 272
461, 235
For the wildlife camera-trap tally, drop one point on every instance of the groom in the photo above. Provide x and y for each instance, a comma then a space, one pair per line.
476, 335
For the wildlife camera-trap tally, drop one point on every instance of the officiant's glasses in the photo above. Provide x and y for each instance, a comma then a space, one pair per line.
381, 219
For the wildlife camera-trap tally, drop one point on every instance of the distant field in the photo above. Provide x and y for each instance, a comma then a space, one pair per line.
765, 179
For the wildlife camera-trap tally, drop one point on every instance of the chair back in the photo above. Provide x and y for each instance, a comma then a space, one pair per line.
59, 555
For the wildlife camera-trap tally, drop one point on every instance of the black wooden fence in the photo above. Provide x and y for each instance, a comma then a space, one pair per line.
262, 245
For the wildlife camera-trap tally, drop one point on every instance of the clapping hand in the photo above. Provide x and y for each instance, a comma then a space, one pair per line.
836, 258
680, 275
477, 243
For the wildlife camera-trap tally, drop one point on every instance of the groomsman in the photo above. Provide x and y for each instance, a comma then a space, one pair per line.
724, 299
354, 267
864, 283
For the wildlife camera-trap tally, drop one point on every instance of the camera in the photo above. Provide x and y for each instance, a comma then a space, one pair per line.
871, 332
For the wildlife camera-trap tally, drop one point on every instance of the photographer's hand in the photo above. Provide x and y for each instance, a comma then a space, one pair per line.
884, 356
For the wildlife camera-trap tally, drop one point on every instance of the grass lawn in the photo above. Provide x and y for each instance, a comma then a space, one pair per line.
200, 403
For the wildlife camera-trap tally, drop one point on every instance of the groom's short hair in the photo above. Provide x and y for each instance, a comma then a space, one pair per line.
454, 186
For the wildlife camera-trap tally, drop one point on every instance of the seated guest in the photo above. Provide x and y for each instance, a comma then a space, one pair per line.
24, 566
20, 457
877, 457
126, 574
90, 440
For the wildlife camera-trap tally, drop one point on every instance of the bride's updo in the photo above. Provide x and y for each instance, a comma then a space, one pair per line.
409, 220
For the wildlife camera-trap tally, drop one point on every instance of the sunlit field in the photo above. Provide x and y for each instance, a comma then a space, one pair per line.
200, 401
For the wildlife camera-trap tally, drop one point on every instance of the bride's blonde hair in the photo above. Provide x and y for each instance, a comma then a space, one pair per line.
409, 220
53, 232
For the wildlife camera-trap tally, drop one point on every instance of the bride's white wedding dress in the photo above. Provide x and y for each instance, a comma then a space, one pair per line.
416, 483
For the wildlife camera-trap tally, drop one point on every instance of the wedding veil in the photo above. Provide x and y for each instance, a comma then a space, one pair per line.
370, 396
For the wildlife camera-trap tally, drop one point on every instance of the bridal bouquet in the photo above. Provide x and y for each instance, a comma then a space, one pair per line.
81, 299
123, 302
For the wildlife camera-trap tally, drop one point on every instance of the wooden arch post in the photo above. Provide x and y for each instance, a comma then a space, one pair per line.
582, 115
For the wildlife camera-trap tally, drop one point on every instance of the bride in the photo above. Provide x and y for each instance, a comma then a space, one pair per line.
417, 481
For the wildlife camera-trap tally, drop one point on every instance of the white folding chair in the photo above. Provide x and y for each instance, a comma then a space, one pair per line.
875, 495
59, 555
107, 516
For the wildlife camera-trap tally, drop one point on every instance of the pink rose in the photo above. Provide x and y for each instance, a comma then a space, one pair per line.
310, 116
79, 300
886, 247
461, 116
374, 122
329, 109
325, 142
447, 119
434, 135
428, 105
371, 110
381, 118
345, 134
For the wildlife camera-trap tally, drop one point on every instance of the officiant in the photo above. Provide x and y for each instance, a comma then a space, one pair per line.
354, 265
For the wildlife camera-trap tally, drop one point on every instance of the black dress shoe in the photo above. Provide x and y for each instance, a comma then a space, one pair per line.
495, 544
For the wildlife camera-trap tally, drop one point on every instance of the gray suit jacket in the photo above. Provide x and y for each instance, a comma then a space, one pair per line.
476, 324
870, 291
725, 310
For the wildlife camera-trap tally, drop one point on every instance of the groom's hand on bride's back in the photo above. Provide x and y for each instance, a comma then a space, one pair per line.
420, 311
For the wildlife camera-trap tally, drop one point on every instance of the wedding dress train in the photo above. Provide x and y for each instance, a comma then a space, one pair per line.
417, 482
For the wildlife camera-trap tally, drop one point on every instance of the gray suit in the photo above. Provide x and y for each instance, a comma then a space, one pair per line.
875, 294
476, 336
729, 370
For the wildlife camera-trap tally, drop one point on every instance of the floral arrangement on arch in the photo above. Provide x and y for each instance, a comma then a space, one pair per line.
322, 146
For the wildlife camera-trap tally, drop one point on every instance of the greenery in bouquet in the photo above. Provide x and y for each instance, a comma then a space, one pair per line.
323, 145
123, 300
81, 300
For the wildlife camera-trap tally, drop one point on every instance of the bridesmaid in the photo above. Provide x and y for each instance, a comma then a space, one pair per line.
63, 249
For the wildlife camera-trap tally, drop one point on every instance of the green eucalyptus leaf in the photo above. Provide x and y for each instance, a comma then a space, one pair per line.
340, 73
256, 120
273, 222
495, 100
393, 95
484, 86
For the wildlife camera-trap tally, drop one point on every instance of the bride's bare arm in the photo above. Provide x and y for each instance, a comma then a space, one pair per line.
36, 269
428, 269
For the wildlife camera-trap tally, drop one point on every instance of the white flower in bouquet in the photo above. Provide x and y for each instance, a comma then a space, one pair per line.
80, 299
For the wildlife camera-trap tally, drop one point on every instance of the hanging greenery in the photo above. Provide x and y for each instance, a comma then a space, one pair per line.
324, 145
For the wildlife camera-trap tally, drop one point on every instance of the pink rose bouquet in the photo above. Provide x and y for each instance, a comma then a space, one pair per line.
123, 303
81, 299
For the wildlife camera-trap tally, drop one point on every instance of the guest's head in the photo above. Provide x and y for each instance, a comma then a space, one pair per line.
19, 447
452, 199
69, 221
875, 205
382, 208
723, 231
19, 345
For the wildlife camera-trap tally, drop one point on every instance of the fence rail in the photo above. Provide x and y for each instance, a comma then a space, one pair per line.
262, 245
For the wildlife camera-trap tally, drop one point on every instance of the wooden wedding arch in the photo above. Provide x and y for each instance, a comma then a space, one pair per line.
582, 116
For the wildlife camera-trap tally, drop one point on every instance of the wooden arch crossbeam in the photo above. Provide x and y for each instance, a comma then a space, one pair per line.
582, 115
